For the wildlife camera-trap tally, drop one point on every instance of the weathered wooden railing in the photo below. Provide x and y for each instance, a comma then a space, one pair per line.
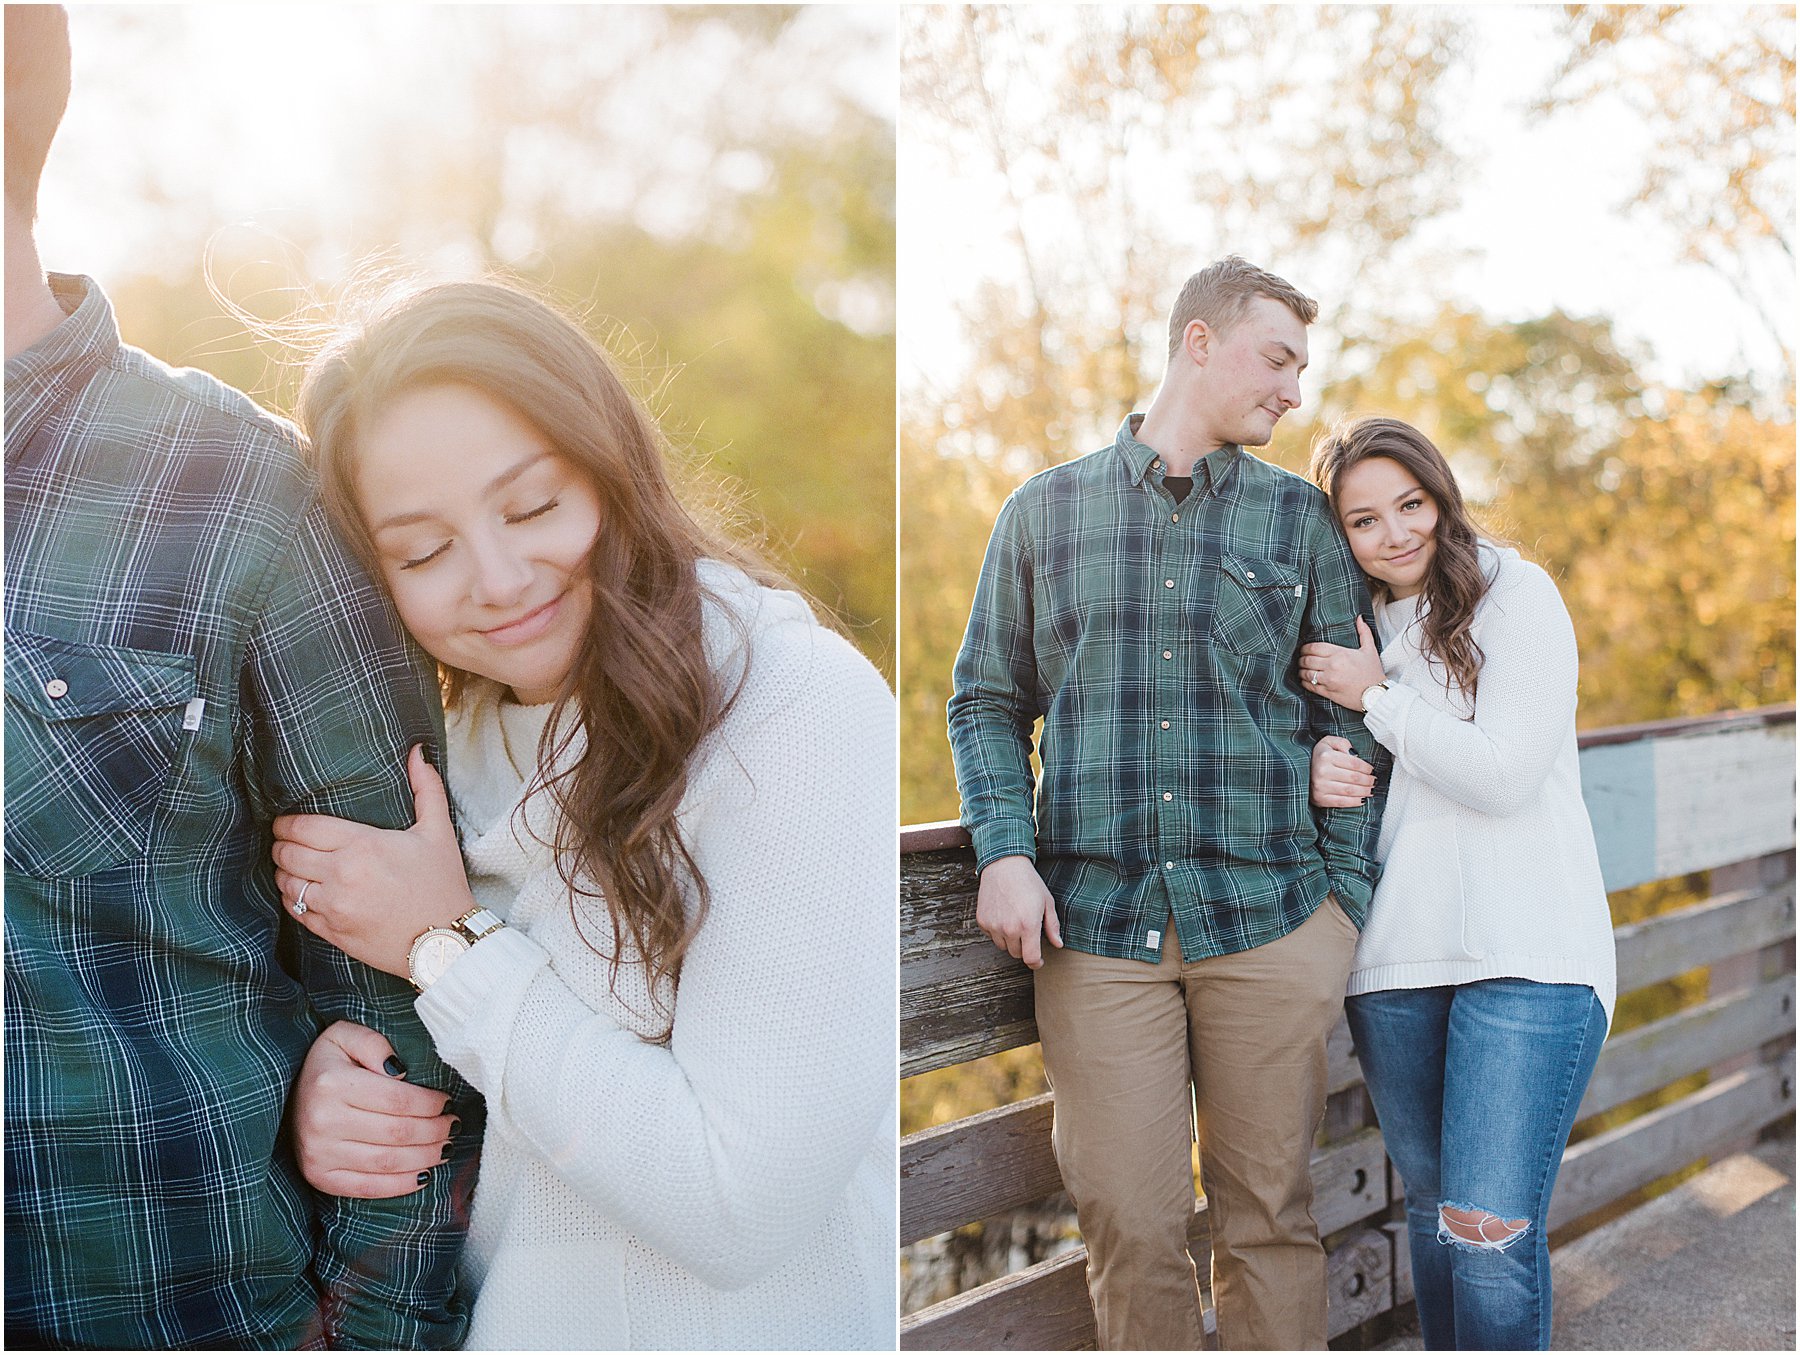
1669, 799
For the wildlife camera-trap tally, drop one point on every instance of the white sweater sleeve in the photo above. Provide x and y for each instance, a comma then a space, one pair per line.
727, 1147
1496, 763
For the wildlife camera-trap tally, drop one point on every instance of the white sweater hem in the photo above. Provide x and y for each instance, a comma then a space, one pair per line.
1451, 973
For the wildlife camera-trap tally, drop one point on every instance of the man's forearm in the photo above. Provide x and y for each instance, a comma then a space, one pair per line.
993, 775
388, 1269
1348, 837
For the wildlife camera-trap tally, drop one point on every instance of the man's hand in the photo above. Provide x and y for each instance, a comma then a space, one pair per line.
1015, 910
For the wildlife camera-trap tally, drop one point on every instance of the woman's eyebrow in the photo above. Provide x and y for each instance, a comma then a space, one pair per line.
1403, 494
513, 472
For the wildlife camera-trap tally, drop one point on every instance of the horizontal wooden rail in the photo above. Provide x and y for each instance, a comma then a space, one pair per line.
1676, 1046
1702, 934
1597, 1171
1002, 1159
1682, 726
975, 1168
1778, 719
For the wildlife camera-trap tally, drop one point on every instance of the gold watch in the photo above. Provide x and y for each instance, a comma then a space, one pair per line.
435, 948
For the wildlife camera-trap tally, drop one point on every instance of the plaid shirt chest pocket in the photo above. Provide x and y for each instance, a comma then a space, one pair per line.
1257, 605
91, 736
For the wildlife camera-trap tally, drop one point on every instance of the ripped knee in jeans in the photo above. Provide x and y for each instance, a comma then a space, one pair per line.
1478, 1229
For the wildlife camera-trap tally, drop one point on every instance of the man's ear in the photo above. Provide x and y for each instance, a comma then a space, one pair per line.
1197, 342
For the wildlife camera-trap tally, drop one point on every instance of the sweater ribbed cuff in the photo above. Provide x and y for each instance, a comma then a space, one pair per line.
1386, 711
469, 1010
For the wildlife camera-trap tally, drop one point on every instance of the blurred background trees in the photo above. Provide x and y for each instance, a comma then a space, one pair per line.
710, 188
1333, 145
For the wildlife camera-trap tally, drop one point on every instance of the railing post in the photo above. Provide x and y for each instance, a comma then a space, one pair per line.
1745, 971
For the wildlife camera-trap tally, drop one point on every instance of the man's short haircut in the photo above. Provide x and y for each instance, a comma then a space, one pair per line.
37, 91
1221, 292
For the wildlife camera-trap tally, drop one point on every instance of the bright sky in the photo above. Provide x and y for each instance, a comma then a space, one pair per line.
246, 111
1541, 212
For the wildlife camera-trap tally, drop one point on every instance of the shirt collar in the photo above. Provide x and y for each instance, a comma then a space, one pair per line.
1219, 462
55, 369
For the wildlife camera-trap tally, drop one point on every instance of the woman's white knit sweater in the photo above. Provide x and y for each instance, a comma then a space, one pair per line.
1488, 865
734, 1186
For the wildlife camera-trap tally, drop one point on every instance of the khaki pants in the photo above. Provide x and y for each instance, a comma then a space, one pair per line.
1121, 1041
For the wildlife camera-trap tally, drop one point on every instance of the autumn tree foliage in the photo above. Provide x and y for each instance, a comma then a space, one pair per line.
1316, 142
724, 223
1720, 96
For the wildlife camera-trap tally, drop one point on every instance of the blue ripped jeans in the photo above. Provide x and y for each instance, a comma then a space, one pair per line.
1476, 1087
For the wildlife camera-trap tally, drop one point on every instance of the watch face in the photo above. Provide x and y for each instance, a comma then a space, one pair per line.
433, 954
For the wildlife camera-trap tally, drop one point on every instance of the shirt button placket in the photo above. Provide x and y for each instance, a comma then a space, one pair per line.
1167, 690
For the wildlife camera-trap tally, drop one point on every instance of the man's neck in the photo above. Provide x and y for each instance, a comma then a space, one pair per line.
31, 309
1173, 435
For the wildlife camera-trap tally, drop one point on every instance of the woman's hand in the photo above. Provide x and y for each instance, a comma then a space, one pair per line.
1339, 673
371, 891
358, 1129
1340, 779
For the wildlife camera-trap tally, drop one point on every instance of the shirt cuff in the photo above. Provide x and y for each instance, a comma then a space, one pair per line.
1353, 895
469, 1010
1002, 837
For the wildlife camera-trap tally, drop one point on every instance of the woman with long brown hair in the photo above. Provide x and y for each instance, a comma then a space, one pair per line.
1484, 981
665, 953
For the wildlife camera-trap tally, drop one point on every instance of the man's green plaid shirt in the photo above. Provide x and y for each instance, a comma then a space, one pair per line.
1157, 641
189, 652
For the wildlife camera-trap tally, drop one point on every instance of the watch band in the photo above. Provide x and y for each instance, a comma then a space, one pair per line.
478, 922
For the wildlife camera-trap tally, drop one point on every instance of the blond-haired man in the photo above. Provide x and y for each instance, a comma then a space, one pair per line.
1190, 916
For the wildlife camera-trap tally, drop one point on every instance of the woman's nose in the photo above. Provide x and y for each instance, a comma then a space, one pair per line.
501, 575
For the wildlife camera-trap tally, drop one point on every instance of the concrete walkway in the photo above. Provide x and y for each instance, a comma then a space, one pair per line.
1709, 1266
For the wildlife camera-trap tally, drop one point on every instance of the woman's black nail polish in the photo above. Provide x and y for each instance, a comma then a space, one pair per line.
425, 1178
448, 1148
393, 1067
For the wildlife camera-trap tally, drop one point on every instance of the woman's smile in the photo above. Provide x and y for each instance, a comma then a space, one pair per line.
527, 627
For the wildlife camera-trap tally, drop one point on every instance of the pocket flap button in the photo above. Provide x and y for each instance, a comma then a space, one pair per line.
56, 688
